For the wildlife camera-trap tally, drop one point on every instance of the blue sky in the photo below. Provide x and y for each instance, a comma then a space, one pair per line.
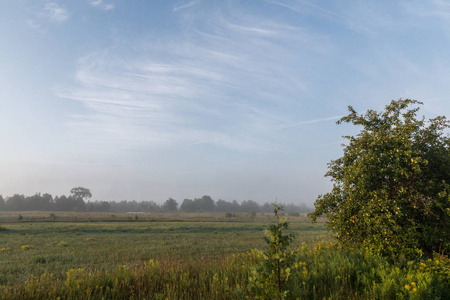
146, 100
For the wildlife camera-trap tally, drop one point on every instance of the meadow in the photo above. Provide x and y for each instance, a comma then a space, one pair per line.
192, 256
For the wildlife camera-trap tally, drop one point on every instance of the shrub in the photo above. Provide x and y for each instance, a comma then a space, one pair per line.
269, 280
391, 188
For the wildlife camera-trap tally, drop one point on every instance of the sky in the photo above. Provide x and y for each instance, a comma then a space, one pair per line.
146, 100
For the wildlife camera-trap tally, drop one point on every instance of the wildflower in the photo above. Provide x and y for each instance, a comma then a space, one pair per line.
413, 283
414, 290
407, 287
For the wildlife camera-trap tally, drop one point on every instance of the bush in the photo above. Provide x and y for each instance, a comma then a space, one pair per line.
269, 280
391, 191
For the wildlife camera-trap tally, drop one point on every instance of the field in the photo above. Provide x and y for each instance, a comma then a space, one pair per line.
190, 256
42, 246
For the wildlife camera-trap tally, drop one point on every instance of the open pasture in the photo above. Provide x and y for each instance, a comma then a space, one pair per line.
36, 245
195, 256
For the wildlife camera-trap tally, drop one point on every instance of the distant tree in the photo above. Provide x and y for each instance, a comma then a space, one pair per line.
188, 205
204, 204
128, 206
81, 192
61, 203
267, 208
249, 206
47, 201
223, 206
149, 206
2, 203
77, 204
102, 206
134, 206
33, 202
16, 203
39, 202
302, 208
170, 205
235, 206
391, 188
70, 203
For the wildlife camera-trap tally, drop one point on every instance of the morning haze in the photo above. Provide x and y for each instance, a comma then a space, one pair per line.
146, 100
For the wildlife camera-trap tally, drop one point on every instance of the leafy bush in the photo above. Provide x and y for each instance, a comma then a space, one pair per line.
391, 191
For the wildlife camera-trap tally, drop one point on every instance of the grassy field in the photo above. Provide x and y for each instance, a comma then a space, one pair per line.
36, 245
195, 256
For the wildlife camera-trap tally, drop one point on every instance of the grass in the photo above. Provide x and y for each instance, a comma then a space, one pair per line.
43, 246
201, 256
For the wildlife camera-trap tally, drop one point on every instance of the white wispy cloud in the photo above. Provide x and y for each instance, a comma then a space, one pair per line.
307, 122
298, 6
54, 12
185, 5
226, 82
50, 14
102, 4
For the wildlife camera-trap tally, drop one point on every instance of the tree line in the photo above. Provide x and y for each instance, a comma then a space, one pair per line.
77, 202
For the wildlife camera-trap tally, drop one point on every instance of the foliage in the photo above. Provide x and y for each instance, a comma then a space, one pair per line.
230, 215
391, 192
70, 203
76, 203
320, 272
167, 261
2, 203
203, 204
170, 205
269, 280
81, 192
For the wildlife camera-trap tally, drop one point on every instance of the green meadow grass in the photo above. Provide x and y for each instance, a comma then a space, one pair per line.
194, 256
41, 246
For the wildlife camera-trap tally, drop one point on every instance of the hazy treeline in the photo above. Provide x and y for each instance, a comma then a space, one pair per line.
46, 202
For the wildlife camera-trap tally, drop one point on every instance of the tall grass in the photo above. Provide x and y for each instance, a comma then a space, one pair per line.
318, 272
200, 258
55, 247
